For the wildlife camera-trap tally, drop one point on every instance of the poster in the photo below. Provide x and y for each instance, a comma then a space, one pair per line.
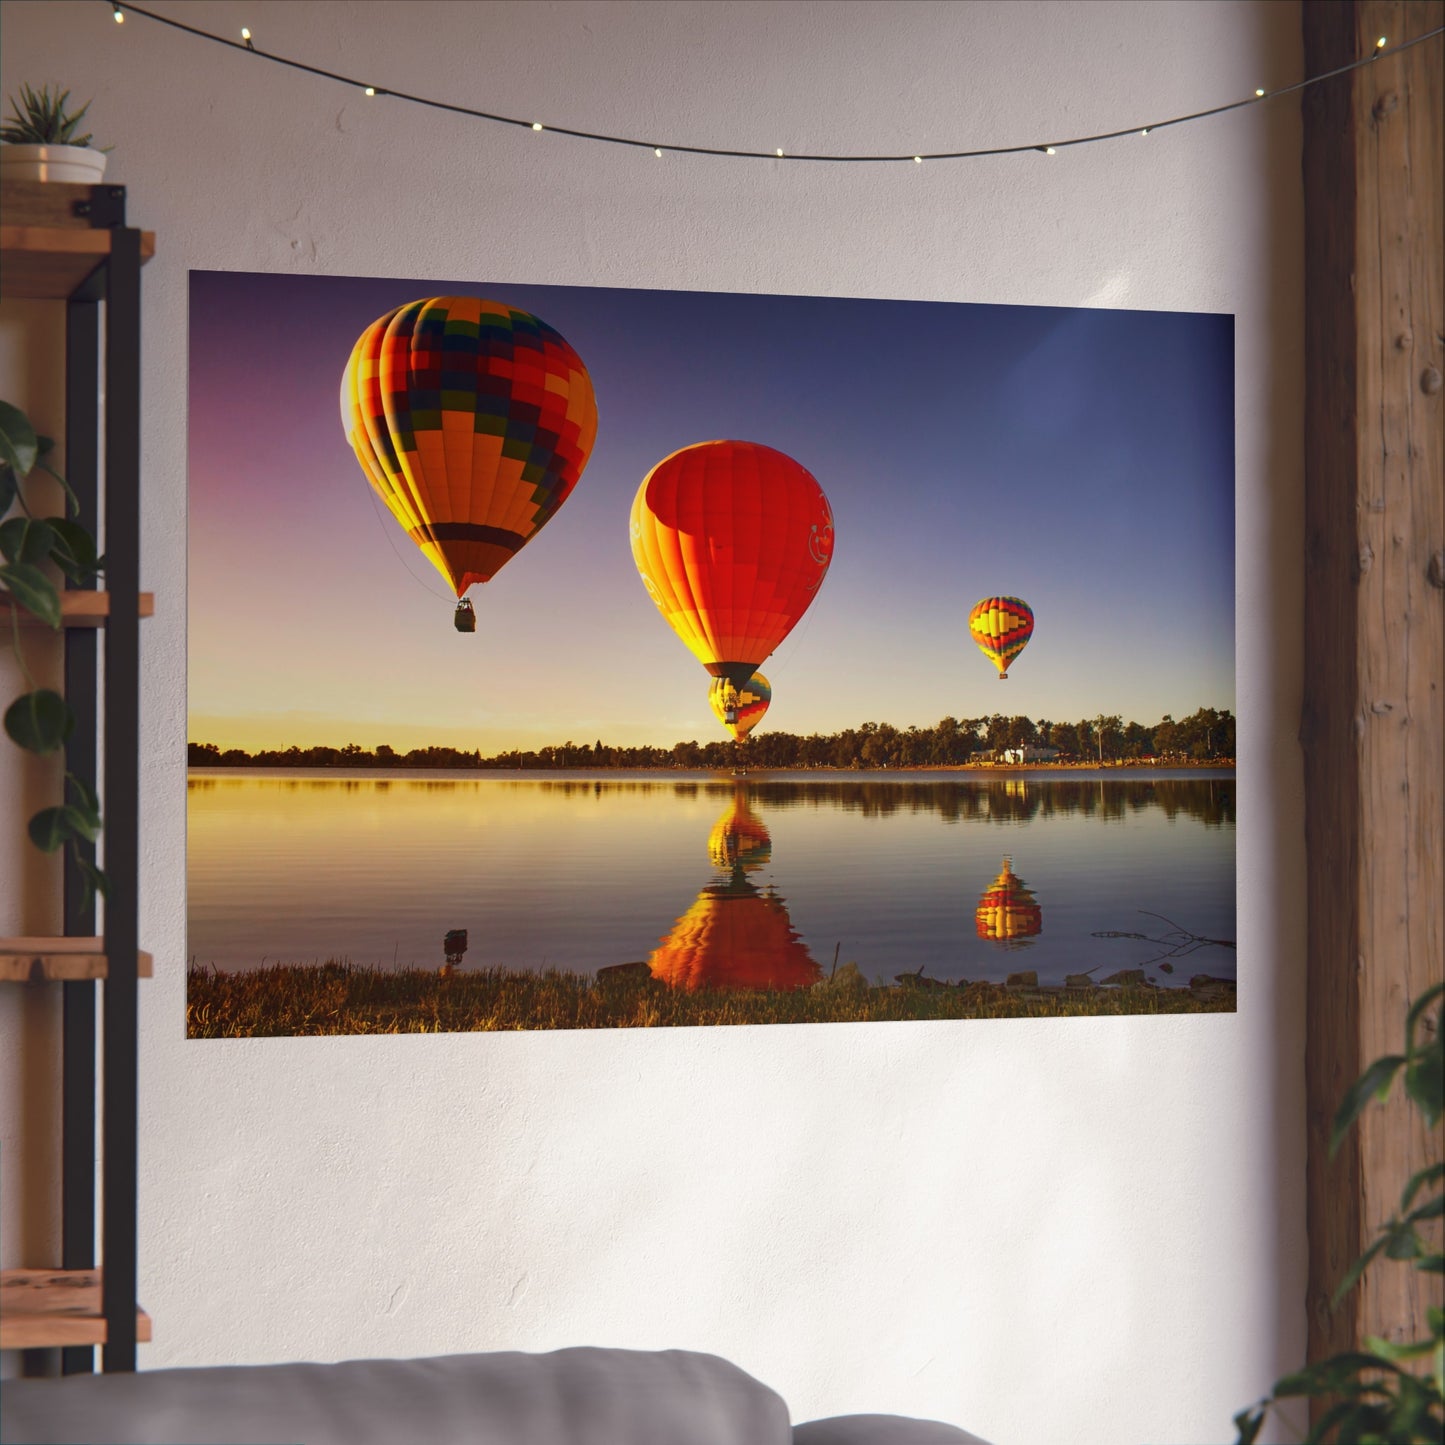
553, 807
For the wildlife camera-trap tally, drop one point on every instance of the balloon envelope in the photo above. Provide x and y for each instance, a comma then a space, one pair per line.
739, 839
734, 937
472, 421
732, 540
1008, 911
1002, 627
740, 709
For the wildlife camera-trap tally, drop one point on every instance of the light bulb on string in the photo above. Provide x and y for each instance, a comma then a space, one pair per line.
779, 155
1259, 94
370, 90
918, 160
536, 125
246, 36
1145, 131
657, 151
1050, 151
1380, 43
118, 13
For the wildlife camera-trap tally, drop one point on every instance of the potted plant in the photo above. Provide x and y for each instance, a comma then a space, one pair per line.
40, 141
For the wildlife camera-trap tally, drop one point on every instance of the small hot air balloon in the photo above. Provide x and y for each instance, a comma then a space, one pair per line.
1008, 912
472, 421
1002, 627
740, 709
732, 540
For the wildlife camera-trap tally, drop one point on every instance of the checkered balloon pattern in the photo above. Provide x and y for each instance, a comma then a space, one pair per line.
473, 421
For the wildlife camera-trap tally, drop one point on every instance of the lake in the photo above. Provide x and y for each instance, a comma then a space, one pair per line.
715, 881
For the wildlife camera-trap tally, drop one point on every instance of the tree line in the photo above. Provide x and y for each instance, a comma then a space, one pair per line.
1205, 736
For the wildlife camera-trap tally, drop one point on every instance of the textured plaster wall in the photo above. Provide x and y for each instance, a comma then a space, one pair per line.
1085, 1230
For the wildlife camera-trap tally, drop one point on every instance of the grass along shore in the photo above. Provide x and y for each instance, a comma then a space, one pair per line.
287, 1000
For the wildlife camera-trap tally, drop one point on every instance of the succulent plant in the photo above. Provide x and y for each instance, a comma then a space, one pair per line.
40, 118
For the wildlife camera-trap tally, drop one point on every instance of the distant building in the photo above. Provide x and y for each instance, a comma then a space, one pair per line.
1030, 755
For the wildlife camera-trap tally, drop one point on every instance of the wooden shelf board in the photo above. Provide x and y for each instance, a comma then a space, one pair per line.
77, 609
27, 960
47, 1308
49, 262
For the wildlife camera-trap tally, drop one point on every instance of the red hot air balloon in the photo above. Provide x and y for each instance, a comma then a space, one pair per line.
732, 540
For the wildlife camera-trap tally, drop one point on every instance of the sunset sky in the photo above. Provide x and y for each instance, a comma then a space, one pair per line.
1080, 459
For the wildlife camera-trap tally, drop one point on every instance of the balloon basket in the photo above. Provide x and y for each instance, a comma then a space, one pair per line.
464, 619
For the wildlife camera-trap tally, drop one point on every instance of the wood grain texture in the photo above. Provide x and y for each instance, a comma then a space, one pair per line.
77, 609
48, 263
29, 960
1373, 726
46, 1308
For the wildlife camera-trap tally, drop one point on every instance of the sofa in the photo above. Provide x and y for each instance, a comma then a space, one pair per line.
580, 1396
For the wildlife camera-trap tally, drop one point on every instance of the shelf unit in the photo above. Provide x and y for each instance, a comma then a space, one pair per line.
71, 243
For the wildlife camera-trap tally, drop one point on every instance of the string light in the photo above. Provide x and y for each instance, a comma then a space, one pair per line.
1260, 94
119, 14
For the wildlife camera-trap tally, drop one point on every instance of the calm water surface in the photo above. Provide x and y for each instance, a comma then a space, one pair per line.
715, 880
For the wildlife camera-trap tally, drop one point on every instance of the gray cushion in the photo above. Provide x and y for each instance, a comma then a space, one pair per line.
570, 1397
880, 1430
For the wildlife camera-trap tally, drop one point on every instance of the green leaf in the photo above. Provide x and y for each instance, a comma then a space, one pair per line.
92, 880
39, 721
1249, 1423
49, 829
1410, 1350
1356, 1270
32, 589
1425, 1082
74, 550
24, 539
1419, 1007
1402, 1243
1418, 1181
86, 801
1374, 1083
18, 447
8, 488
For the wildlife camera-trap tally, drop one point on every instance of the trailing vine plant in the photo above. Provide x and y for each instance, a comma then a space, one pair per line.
1378, 1395
40, 720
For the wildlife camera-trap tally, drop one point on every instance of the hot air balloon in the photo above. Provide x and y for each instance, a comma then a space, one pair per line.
739, 839
732, 540
472, 421
1008, 912
740, 710
734, 937
1002, 627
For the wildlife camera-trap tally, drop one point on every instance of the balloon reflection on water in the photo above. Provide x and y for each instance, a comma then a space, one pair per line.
735, 935
1008, 913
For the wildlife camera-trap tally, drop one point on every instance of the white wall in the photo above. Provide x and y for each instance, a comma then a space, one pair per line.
1086, 1230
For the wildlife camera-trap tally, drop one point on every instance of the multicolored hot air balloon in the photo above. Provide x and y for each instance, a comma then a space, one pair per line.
739, 839
1008, 911
732, 540
734, 937
740, 709
1002, 627
472, 421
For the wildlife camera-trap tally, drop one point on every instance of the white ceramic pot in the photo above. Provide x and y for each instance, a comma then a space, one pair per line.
51, 163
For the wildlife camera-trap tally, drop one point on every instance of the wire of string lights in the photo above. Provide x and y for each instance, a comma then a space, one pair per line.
661, 148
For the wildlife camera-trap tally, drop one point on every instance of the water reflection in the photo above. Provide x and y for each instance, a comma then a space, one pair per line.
735, 936
1008, 913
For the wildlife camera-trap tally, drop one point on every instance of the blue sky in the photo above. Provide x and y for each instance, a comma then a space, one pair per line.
1080, 459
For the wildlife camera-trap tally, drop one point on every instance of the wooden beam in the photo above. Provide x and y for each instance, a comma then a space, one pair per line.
1373, 727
